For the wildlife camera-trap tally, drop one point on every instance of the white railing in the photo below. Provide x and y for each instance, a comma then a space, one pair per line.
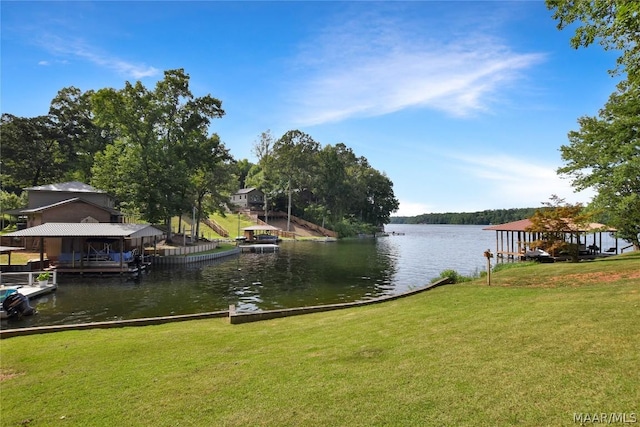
29, 278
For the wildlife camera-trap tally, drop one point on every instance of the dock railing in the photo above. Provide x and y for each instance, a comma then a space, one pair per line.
29, 278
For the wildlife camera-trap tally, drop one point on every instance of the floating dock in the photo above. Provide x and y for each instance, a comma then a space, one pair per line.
260, 248
29, 291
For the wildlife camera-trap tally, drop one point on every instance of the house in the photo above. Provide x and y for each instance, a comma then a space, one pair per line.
80, 230
69, 202
248, 198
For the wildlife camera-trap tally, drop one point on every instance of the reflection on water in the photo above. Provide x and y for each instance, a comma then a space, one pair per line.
300, 274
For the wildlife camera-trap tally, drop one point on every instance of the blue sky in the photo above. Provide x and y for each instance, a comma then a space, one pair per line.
463, 105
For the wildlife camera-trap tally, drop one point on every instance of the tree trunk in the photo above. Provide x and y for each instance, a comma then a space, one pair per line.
289, 207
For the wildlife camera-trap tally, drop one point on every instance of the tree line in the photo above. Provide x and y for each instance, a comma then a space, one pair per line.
153, 149
486, 217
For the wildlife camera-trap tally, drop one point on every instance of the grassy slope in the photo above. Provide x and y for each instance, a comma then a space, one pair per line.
229, 222
543, 342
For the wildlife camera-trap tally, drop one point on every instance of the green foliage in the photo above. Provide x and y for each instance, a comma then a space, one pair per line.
351, 227
615, 24
497, 216
31, 152
163, 162
554, 222
453, 276
329, 185
605, 155
43, 276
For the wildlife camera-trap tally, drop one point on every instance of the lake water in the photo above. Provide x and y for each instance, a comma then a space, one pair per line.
302, 273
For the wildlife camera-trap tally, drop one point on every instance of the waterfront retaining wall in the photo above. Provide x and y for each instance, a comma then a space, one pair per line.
187, 259
245, 317
234, 316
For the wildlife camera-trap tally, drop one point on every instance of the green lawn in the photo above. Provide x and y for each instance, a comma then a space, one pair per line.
229, 222
542, 343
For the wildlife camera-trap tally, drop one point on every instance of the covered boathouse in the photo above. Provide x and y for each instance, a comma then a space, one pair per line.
92, 247
514, 239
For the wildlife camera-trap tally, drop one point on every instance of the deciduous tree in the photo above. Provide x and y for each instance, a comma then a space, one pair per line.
157, 148
605, 155
615, 24
555, 222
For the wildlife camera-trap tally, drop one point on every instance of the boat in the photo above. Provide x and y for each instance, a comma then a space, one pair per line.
537, 254
14, 300
267, 238
14, 304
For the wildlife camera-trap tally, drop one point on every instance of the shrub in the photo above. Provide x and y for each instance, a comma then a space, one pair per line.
453, 276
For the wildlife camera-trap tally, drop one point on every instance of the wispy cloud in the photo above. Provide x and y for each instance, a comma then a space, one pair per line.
370, 68
77, 48
519, 182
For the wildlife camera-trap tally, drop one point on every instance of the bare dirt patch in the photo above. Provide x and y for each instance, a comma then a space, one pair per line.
7, 374
597, 277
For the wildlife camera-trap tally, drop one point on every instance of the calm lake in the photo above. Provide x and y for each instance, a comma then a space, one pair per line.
301, 274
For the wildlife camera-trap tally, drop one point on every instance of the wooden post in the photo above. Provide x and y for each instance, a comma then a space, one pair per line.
488, 255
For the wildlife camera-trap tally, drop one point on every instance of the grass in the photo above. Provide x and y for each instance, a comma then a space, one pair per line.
229, 222
540, 344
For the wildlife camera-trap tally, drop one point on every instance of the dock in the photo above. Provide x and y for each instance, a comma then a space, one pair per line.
30, 291
259, 248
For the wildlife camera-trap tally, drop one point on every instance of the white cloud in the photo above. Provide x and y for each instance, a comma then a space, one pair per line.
358, 70
79, 49
517, 182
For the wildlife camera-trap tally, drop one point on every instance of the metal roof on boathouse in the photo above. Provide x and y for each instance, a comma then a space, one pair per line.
100, 229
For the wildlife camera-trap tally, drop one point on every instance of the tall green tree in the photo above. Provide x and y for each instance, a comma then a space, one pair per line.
334, 187
242, 170
259, 175
605, 155
78, 135
615, 24
156, 148
31, 153
295, 160
213, 180
373, 199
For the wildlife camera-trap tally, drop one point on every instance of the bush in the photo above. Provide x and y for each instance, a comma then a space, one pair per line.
453, 276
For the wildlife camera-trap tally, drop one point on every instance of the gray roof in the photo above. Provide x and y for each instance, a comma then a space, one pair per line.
64, 202
100, 229
72, 186
262, 228
246, 190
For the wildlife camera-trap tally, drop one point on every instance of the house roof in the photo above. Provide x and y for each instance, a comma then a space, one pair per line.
246, 190
523, 224
100, 229
68, 201
71, 186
